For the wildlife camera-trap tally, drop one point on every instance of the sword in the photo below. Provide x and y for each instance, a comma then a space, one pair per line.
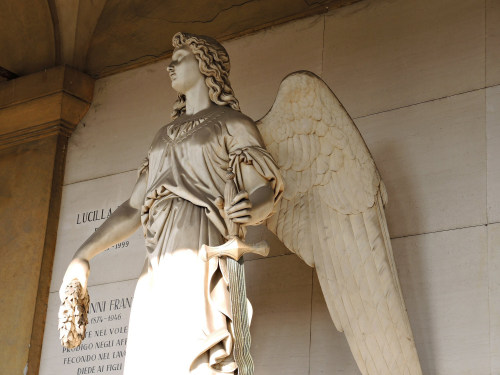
233, 250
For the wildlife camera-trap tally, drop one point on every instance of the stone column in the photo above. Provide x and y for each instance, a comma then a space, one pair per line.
37, 115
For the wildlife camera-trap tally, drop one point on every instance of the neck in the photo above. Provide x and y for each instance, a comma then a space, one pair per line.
197, 98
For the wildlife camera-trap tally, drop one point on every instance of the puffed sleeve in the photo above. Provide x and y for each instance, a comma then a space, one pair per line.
246, 148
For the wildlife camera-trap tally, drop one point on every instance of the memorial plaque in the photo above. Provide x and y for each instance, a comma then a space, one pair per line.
104, 347
85, 206
113, 276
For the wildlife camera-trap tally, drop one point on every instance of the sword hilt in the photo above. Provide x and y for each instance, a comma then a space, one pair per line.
234, 248
230, 191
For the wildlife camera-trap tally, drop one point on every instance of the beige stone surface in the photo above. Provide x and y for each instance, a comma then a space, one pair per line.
280, 292
105, 335
128, 109
27, 33
154, 24
43, 115
43, 104
330, 353
259, 62
259, 233
84, 207
381, 55
444, 278
26, 172
103, 37
432, 158
492, 42
47, 82
494, 297
46, 109
493, 149
36, 114
77, 22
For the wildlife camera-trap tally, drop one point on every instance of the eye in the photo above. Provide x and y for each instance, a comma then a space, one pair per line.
176, 58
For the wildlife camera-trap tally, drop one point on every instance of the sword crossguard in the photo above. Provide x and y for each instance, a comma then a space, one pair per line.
234, 248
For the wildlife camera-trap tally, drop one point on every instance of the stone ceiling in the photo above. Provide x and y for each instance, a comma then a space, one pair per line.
103, 37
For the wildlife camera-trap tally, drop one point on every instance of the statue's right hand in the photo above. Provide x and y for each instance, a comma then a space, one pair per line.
78, 269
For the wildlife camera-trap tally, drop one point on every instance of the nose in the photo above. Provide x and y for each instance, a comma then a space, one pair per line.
170, 67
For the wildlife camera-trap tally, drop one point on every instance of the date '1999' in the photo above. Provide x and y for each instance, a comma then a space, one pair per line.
119, 245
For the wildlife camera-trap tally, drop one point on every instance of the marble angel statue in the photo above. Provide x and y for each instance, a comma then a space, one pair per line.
303, 169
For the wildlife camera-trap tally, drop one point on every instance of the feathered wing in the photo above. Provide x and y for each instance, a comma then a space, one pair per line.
332, 217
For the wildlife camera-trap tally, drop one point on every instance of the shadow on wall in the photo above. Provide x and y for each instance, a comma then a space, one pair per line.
410, 263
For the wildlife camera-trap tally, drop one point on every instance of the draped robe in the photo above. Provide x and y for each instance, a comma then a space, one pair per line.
180, 321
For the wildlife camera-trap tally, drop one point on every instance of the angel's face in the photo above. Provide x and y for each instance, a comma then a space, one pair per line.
184, 70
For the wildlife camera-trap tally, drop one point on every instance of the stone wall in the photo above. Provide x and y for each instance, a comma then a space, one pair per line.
421, 78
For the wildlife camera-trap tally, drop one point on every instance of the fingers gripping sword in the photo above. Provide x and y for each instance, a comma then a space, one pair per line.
233, 250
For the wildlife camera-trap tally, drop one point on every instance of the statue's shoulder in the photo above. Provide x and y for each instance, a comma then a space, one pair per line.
237, 122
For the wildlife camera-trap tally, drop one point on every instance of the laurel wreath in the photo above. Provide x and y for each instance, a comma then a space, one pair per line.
73, 315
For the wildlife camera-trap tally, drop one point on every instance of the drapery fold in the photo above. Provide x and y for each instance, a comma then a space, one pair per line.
182, 301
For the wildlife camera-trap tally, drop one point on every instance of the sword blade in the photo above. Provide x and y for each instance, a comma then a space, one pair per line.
239, 310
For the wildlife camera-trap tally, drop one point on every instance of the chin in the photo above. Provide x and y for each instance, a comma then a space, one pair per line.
177, 88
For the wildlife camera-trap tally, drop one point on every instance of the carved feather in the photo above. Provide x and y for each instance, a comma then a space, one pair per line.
332, 217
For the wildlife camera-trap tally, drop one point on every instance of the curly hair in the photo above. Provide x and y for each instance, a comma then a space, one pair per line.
213, 61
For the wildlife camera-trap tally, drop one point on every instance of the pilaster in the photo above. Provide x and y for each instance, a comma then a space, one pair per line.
38, 113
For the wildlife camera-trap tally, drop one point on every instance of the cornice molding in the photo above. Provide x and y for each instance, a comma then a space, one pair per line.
41, 104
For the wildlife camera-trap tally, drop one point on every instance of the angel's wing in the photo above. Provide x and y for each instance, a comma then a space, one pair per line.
332, 217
